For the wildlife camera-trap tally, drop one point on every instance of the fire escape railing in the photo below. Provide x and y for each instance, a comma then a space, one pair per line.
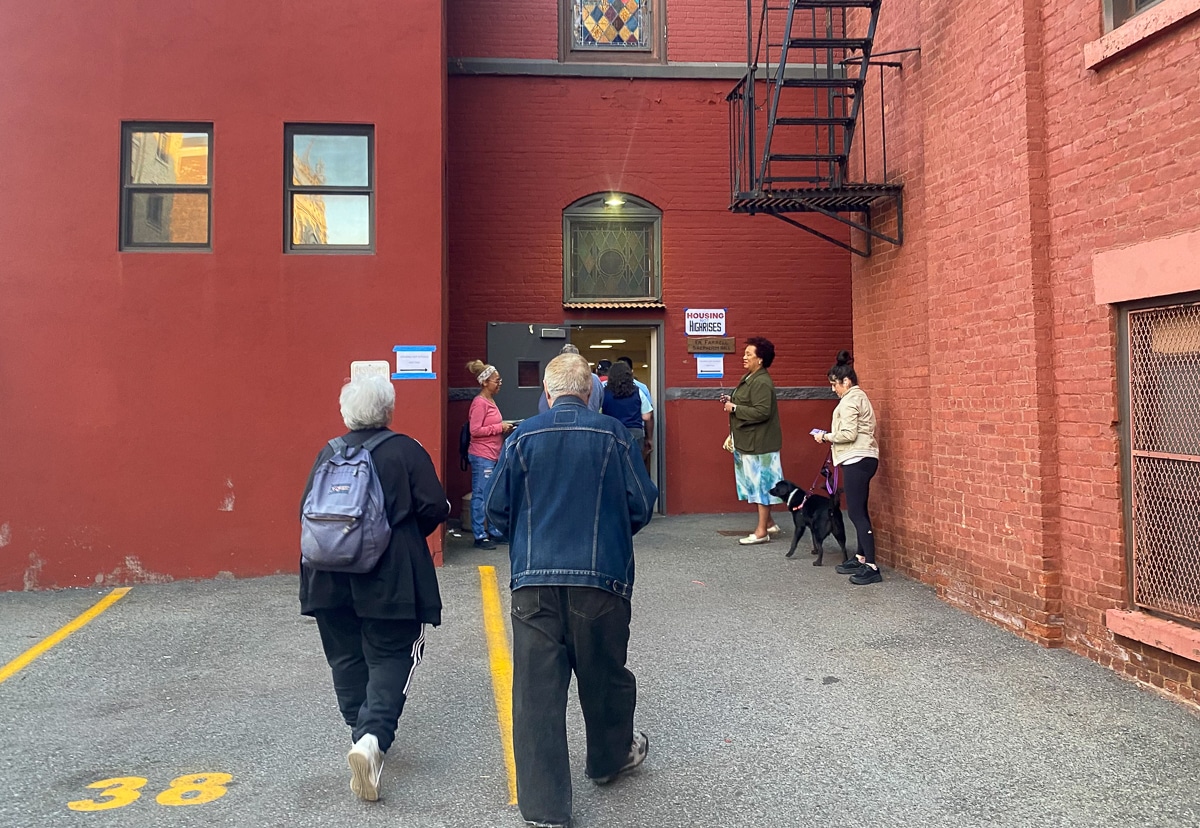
792, 154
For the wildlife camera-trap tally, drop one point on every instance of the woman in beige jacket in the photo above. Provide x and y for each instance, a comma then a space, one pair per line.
852, 437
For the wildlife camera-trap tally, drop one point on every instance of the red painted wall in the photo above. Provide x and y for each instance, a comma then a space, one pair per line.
523, 149
144, 392
991, 365
704, 471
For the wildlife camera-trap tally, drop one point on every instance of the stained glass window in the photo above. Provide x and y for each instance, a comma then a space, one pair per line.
611, 246
611, 24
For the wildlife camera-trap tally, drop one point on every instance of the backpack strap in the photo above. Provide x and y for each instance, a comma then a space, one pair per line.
378, 440
340, 446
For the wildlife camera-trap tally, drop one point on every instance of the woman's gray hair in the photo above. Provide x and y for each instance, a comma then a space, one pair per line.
568, 374
368, 402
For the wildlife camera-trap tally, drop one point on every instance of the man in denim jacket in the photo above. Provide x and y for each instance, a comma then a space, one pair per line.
570, 492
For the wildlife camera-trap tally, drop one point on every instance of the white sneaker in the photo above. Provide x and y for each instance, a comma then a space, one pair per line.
366, 766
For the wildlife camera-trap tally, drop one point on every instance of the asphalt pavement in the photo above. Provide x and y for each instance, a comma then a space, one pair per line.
774, 694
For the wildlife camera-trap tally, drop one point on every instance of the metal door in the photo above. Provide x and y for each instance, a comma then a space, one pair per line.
520, 351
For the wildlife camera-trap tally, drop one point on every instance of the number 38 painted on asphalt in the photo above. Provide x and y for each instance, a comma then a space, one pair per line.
193, 789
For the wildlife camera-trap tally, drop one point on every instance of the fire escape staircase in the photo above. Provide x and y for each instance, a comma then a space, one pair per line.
795, 116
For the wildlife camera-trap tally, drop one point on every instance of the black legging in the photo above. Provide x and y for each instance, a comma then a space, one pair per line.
857, 483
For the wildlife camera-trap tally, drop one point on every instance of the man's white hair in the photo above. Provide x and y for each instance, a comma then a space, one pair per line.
568, 374
368, 402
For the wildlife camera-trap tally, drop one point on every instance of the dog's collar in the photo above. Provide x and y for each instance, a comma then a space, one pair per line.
789, 501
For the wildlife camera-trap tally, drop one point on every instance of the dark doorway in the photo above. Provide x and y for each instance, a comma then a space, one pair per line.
520, 351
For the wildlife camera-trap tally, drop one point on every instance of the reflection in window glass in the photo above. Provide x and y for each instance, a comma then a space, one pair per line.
330, 160
329, 188
154, 210
166, 185
168, 158
175, 218
331, 219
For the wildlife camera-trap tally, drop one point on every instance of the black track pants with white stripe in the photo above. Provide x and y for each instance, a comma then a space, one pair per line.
373, 660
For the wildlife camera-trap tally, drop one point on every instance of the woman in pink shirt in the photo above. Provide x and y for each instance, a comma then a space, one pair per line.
487, 436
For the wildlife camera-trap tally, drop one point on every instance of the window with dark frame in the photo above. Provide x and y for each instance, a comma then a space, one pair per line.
612, 31
612, 246
166, 186
1117, 12
329, 188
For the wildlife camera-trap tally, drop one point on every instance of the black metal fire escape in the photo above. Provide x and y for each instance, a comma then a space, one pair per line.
795, 115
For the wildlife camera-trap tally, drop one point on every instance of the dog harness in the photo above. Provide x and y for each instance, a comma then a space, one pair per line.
828, 471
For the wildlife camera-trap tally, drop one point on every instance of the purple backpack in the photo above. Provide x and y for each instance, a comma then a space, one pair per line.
344, 523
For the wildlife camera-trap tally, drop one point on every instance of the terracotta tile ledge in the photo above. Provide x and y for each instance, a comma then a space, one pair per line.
1136, 30
1157, 632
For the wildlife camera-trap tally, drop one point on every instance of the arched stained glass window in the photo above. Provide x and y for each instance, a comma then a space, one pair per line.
612, 246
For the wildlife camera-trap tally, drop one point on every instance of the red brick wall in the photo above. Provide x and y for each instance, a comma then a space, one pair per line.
697, 32
523, 149
1123, 159
991, 366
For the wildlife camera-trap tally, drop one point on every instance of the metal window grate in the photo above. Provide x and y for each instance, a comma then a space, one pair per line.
1164, 403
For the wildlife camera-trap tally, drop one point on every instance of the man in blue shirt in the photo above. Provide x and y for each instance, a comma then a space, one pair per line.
570, 492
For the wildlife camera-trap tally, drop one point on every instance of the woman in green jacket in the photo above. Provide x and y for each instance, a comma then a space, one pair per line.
757, 437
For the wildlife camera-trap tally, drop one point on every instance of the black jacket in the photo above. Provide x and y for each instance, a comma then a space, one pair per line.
403, 585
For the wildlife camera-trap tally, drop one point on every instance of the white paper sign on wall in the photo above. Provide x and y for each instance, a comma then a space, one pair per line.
370, 368
414, 362
710, 366
704, 321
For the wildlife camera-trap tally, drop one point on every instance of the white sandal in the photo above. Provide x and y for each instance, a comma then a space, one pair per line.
752, 539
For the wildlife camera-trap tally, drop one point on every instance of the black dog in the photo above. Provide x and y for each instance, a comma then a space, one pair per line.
817, 512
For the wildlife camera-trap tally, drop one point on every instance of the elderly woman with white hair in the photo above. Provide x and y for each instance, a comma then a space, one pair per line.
488, 429
372, 625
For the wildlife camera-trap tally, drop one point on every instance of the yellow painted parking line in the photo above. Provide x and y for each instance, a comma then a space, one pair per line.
25, 659
502, 670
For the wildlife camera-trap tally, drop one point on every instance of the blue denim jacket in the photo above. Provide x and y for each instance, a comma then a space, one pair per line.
570, 491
